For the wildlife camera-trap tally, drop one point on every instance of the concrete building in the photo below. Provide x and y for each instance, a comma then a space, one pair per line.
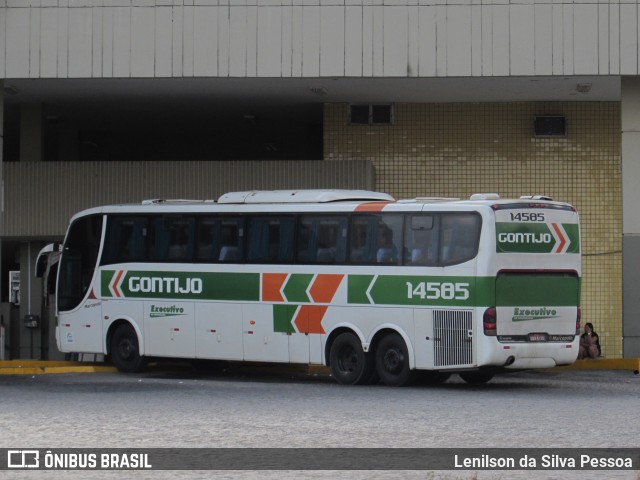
119, 100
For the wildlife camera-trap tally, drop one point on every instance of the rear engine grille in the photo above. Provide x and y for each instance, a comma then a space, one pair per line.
453, 333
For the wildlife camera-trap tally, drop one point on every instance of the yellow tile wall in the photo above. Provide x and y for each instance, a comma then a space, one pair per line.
454, 150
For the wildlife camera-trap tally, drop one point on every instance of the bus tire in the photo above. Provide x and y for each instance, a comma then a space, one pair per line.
392, 361
350, 364
125, 350
476, 378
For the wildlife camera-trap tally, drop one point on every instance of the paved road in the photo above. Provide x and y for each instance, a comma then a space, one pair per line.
175, 408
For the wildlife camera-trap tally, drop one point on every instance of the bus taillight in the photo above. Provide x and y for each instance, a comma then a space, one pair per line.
489, 322
578, 319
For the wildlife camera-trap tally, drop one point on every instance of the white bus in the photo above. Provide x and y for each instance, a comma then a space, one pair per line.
376, 289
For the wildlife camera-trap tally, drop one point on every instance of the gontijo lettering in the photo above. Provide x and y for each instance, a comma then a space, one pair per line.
525, 238
165, 285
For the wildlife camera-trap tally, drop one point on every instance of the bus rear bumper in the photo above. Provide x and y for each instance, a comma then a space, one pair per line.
528, 355
527, 363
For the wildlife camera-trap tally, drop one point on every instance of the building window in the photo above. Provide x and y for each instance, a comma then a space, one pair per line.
550, 126
371, 114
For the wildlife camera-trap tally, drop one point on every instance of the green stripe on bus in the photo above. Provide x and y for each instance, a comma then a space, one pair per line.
417, 290
357, 288
573, 230
537, 289
296, 288
421, 290
181, 285
282, 318
520, 237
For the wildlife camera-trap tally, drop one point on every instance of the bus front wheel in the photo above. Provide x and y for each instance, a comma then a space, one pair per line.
392, 361
125, 350
350, 364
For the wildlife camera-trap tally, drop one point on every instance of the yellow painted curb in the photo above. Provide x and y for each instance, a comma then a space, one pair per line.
38, 363
632, 364
39, 367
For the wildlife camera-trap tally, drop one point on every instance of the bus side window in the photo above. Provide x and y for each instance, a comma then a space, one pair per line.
361, 244
231, 233
271, 239
126, 240
173, 239
421, 240
376, 239
460, 233
220, 239
322, 239
208, 243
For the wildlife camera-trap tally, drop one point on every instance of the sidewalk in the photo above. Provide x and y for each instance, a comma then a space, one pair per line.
632, 364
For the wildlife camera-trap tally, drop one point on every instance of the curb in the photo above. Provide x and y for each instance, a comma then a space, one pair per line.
39, 367
632, 364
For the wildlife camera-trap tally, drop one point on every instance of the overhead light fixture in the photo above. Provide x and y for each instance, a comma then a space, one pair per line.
320, 91
583, 87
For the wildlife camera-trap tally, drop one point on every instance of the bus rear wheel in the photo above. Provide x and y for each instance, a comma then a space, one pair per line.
350, 364
392, 361
476, 378
125, 350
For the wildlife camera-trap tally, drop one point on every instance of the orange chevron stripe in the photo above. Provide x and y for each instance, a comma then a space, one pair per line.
116, 282
563, 241
271, 286
371, 207
325, 287
309, 318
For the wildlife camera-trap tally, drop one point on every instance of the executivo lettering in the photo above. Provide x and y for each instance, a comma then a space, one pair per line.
172, 311
541, 313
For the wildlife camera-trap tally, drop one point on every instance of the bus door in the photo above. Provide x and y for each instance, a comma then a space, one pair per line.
79, 308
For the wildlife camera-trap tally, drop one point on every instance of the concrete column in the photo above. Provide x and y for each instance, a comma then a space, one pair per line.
30, 301
5, 320
31, 132
630, 109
